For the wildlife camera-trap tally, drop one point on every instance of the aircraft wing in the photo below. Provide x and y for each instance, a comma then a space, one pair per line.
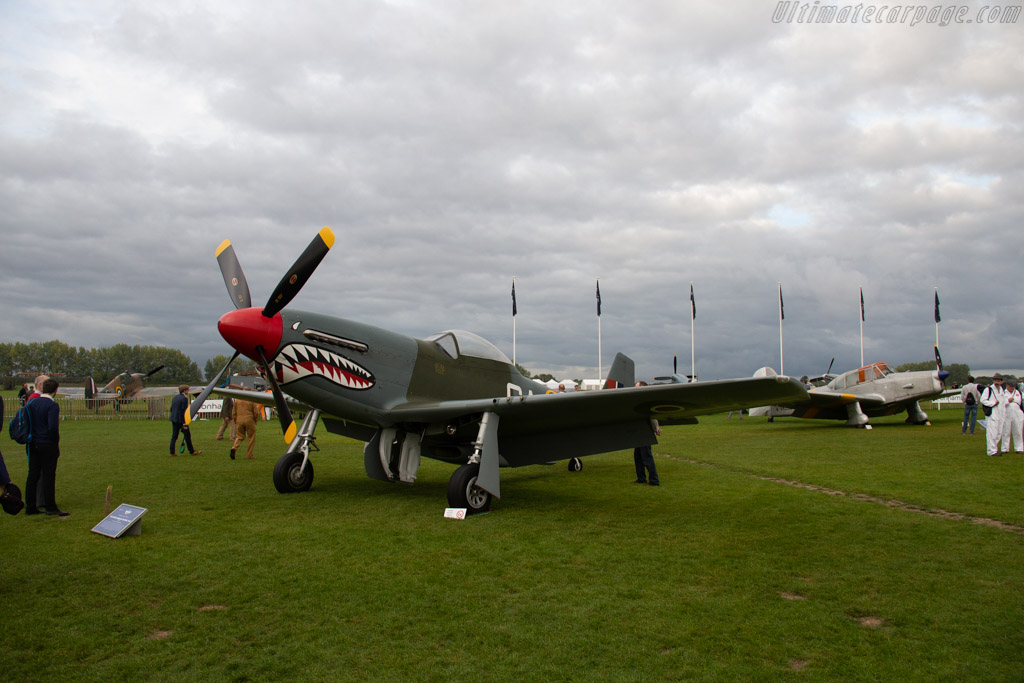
155, 392
262, 397
546, 427
666, 403
71, 391
821, 398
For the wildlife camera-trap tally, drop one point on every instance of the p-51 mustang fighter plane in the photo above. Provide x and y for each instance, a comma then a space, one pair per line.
871, 391
453, 396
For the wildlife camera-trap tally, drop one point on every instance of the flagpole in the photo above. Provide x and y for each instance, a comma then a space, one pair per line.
862, 327
693, 316
600, 367
782, 316
513, 320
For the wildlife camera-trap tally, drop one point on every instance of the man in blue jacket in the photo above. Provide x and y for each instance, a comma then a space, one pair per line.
179, 404
44, 449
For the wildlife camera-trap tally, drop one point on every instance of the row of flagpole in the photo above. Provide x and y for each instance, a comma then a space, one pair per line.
693, 317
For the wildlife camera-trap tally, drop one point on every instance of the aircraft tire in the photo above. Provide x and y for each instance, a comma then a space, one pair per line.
464, 493
575, 464
287, 477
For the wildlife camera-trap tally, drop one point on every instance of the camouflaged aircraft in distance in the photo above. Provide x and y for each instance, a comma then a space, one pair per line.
874, 390
454, 396
124, 387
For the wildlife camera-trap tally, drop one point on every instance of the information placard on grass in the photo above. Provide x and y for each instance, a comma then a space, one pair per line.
126, 520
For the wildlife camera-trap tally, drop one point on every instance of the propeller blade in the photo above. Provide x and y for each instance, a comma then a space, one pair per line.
154, 371
193, 409
675, 365
283, 413
830, 365
299, 273
938, 358
234, 278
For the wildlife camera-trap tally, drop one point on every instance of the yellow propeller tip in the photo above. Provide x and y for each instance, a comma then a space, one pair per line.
223, 245
289, 434
327, 235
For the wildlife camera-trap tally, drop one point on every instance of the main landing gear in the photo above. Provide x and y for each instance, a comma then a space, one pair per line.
293, 472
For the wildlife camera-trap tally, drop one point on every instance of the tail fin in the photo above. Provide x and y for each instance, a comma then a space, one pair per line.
622, 373
761, 411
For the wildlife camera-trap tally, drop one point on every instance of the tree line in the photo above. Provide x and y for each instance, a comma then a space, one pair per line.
958, 372
21, 362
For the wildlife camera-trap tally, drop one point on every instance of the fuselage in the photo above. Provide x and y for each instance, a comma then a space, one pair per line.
360, 373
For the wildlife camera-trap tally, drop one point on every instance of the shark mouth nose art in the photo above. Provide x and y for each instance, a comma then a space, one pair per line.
298, 361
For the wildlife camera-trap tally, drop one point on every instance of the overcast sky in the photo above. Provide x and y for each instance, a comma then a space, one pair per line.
454, 146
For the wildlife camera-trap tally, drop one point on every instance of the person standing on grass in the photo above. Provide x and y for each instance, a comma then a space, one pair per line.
225, 414
44, 449
971, 397
10, 496
643, 458
246, 415
179, 404
994, 398
1013, 419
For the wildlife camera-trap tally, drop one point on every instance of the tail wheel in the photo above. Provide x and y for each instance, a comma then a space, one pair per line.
464, 493
575, 464
290, 476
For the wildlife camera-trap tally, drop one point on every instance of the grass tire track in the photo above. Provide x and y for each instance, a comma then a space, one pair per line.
863, 497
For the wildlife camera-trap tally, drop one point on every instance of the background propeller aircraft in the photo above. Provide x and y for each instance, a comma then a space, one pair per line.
871, 391
454, 396
126, 386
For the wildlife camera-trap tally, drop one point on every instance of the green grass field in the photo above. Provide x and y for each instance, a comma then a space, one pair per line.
794, 550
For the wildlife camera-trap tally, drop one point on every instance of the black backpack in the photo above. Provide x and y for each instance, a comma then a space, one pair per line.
984, 408
20, 427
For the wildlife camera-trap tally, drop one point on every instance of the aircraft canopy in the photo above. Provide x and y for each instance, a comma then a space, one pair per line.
868, 373
459, 342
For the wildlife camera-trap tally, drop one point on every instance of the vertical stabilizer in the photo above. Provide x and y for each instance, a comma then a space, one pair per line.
623, 372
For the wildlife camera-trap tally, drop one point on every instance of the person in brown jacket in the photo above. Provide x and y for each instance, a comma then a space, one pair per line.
246, 415
227, 405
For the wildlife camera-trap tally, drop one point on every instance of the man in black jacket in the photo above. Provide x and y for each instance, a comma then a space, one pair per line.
44, 449
179, 404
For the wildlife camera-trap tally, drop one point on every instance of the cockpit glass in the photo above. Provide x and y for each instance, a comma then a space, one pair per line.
456, 342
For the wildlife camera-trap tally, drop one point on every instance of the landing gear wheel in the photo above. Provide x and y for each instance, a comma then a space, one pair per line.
575, 464
464, 493
289, 477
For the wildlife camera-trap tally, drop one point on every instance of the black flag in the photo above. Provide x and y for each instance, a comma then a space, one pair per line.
514, 311
782, 307
937, 317
599, 299
862, 304
693, 305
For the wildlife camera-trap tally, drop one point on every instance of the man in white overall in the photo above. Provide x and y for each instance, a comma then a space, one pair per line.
994, 397
1013, 419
